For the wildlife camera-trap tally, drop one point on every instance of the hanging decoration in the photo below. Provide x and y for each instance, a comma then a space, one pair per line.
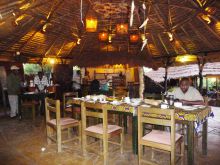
144, 43
134, 38
103, 36
122, 28
170, 35
186, 58
91, 23
207, 15
132, 13
81, 14
144, 23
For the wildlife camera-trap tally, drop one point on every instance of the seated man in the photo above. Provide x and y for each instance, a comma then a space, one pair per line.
187, 94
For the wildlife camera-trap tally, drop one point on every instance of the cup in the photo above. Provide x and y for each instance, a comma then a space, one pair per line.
88, 97
164, 106
178, 104
127, 99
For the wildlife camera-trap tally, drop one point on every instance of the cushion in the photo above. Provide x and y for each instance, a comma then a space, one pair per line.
99, 128
64, 121
30, 103
74, 109
162, 137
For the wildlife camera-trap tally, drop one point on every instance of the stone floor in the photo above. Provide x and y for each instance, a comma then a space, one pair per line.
22, 143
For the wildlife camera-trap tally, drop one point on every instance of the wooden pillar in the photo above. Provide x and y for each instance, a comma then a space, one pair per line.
141, 82
165, 79
167, 63
201, 63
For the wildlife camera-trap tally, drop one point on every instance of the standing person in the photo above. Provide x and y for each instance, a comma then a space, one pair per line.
77, 83
187, 94
40, 82
13, 88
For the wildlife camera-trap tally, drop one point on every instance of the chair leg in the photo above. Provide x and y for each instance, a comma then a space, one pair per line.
58, 140
84, 142
33, 112
122, 141
172, 161
80, 133
105, 150
69, 132
49, 133
182, 151
140, 152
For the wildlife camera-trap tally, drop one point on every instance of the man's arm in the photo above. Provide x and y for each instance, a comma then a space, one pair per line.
196, 102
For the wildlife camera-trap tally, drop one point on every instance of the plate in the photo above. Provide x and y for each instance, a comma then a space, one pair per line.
199, 106
116, 103
188, 108
145, 105
103, 102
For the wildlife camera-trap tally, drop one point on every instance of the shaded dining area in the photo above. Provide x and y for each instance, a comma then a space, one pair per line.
86, 82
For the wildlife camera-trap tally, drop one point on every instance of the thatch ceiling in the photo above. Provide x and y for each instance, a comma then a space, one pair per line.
22, 23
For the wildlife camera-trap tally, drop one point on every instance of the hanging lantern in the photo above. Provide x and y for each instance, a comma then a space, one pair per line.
134, 38
186, 58
103, 36
91, 23
122, 28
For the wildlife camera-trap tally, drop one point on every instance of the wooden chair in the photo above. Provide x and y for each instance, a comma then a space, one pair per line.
102, 131
29, 105
31, 89
58, 124
156, 139
68, 108
121, 92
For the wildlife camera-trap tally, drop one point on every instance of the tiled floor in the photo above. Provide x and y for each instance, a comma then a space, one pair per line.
21, 143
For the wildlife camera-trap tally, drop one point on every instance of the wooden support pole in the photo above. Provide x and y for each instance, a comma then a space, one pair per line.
141, 81
201, 63
165, 78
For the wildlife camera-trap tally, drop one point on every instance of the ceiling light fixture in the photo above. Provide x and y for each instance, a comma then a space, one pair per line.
78, 41
170, 35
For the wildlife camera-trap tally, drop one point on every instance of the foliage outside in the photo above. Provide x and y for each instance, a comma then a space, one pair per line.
31, 69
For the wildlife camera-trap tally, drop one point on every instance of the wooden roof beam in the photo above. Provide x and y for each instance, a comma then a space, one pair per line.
164, 46
201, 36
155, 43
189, 37
210, 29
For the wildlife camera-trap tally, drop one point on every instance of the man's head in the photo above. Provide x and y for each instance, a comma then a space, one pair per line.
14, 69
184, 84
40, 74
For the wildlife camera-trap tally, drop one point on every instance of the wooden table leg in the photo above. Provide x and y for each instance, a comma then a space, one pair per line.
125, 123
134, 135
190, 141
204, 137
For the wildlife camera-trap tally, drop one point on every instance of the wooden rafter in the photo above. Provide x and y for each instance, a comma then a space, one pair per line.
156, 43
201, 36
164, 46
210, 29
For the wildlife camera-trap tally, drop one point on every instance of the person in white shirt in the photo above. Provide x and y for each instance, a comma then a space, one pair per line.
187, 94
41, 82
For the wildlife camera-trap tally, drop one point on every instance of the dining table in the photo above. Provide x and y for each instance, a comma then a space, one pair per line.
190, 117
33, 96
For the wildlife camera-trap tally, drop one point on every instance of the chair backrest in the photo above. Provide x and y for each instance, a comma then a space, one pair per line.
157, 116
31, 89
52, 106
120, 92
93, 110
67, 96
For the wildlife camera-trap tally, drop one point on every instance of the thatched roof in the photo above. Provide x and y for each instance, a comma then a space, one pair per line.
50, 28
